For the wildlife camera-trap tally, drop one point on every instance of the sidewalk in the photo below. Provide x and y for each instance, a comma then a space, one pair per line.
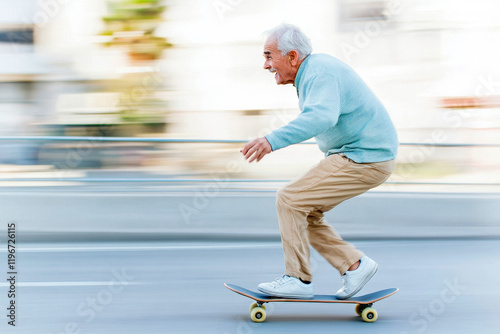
201, 212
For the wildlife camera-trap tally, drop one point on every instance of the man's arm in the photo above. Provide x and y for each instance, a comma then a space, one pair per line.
320, 111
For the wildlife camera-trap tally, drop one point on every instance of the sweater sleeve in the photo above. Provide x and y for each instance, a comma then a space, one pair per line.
320, 111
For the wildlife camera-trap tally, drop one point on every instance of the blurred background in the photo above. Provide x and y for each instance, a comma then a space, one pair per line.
182, 70
121, 123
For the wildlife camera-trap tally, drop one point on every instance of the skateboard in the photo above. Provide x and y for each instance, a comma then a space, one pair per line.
363, 303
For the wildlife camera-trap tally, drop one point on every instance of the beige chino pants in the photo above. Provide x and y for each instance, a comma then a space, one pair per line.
302, 203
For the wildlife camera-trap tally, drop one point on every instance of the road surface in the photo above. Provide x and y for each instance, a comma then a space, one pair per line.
446, 286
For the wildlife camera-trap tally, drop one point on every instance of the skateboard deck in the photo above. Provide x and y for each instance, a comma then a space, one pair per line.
363, 303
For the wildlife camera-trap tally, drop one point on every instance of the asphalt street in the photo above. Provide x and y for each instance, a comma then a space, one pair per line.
446, 286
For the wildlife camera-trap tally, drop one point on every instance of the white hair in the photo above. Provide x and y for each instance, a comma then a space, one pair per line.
290, 37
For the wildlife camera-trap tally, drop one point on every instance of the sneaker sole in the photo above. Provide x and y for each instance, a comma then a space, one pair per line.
362, 284
285, 295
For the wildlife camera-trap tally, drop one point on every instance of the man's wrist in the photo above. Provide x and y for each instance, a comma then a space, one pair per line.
270, 140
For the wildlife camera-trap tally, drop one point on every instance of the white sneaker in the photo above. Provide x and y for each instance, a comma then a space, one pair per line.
288, 287
355, 280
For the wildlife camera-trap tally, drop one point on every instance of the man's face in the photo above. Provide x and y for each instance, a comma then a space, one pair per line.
281, 66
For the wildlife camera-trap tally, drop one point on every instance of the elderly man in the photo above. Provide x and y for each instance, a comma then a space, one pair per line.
355, 132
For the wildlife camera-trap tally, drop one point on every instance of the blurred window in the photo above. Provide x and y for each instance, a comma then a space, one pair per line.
20, 36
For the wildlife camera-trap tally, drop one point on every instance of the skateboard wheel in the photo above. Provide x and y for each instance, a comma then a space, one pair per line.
359, 309
254, 305
258, 314
369, 314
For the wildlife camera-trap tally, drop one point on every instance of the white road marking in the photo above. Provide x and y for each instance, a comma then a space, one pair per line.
22, 249
70, 284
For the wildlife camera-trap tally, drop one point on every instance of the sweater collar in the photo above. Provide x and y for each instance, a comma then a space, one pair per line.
299, 73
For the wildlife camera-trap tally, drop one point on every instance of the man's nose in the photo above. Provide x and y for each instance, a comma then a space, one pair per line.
267, 65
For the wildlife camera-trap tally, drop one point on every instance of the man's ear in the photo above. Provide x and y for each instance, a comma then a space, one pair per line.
293, 57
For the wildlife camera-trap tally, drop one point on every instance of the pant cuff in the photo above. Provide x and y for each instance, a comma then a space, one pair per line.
348, 263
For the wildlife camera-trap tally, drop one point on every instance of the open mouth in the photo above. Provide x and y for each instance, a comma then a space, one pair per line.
272, 70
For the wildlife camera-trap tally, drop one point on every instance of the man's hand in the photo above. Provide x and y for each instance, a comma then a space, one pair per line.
256, 149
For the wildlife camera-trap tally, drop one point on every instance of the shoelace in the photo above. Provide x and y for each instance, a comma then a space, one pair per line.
280, 280
345, 278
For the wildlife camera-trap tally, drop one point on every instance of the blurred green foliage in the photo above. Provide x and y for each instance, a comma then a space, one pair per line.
131, 24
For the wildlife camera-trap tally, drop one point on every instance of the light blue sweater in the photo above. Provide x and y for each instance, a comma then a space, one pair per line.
340, 111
